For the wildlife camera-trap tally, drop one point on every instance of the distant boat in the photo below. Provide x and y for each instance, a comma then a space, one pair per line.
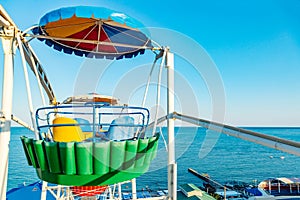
281, 186
258, 194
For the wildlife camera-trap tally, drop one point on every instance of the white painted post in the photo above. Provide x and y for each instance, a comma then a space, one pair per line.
172, 166
110, 192
120, 191
5, 120
44, 190
133, 188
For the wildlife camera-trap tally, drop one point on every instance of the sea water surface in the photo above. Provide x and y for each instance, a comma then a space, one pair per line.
223, 157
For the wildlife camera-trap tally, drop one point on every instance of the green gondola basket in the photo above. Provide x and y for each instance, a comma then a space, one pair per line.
90, 163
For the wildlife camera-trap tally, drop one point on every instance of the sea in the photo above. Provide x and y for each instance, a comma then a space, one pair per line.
222, 157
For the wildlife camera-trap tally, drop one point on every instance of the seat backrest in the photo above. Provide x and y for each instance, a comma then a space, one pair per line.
86, 127
122, 128
84, 124
67, 130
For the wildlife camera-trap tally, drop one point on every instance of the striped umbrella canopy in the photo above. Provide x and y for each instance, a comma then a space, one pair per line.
93, 32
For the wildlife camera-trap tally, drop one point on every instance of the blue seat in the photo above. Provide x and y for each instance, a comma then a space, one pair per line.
84, 124
122, 128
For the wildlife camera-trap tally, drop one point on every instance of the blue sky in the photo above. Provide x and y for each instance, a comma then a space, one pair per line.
255, 46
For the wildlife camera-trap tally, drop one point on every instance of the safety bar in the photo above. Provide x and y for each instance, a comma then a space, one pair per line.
139, 113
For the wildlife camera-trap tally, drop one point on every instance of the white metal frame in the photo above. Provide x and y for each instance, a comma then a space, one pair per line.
11, 39
172, 165
8, 33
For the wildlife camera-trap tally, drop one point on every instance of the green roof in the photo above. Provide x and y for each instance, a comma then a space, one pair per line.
192, 192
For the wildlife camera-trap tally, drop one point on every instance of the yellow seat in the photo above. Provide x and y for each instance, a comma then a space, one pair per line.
68, 130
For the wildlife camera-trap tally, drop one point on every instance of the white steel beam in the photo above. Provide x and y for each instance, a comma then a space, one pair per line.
172, 166
289, 146
281, 144
6, 109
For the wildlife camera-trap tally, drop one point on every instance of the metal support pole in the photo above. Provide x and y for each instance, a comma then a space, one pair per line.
30, 104
172, 166
44, 190
119, 191
5, 120
29, 96
59, 190
163, 60
133, 189
34, 66
110, 192
22, 123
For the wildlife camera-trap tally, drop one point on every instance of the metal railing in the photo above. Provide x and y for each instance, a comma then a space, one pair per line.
92, 116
